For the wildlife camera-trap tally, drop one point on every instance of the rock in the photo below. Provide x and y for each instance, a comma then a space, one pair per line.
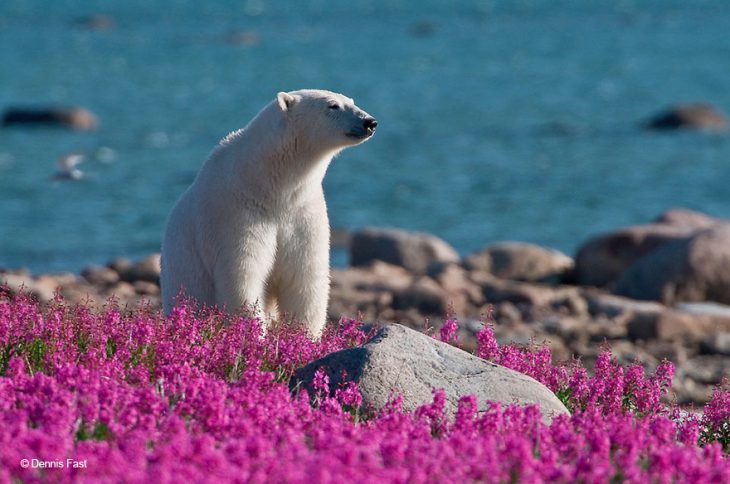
603, 259
423, 28
691, 392
413, 250
521, 261
366, 290
47, 285
707, 369
455, 280
567, 328
676, 325
100, 276
17, 283
122, 290
424, 295
603, 330
627, 353
520, 293
673, 351
80, 294
21, 271
401, 361
695, 116
97, 21
692, 269
573, 304
146, 288
705, 309
120, 264
612, 306
559, 350
358, 304
243, 37
146, 269
684, 217
506, 313
717, 344
378, 276
75, 117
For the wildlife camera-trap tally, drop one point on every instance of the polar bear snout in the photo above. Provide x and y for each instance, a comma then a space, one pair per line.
370, 124
366, 130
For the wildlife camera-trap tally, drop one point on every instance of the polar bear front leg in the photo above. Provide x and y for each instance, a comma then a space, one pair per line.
243, 267
302, 273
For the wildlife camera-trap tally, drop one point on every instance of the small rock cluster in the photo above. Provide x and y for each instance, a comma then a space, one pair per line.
131, 283
653, 291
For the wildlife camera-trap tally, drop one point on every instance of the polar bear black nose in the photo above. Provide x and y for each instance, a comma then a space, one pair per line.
370, 123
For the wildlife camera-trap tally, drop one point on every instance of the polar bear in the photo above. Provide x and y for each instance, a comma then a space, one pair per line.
252, 230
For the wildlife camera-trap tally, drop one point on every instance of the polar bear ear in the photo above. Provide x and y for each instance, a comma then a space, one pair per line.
285, 100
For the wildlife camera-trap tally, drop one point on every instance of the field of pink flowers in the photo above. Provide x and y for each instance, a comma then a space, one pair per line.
104, 394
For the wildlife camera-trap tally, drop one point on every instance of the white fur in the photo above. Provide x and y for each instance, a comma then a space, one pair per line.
252, 229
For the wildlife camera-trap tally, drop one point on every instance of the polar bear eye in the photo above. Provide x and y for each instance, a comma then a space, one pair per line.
334, 106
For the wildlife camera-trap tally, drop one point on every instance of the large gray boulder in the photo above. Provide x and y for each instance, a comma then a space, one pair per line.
413, 250
401, 361
521, 261
603, 259
687, 270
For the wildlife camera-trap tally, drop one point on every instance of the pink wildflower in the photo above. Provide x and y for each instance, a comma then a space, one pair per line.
449, 331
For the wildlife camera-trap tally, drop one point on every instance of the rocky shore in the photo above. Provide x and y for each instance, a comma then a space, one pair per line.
652, 291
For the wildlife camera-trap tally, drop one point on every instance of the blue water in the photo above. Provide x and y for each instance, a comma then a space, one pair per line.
498, 120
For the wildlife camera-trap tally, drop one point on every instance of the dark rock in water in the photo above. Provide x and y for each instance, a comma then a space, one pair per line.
521, 261
401, 361
694, 116
97, 21
423, 29
243, 37
413, 250
76, 117
691, 269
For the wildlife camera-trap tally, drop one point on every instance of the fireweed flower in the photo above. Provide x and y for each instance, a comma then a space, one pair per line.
203, 396
449, 331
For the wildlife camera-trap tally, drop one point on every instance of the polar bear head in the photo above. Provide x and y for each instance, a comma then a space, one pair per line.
325, 119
